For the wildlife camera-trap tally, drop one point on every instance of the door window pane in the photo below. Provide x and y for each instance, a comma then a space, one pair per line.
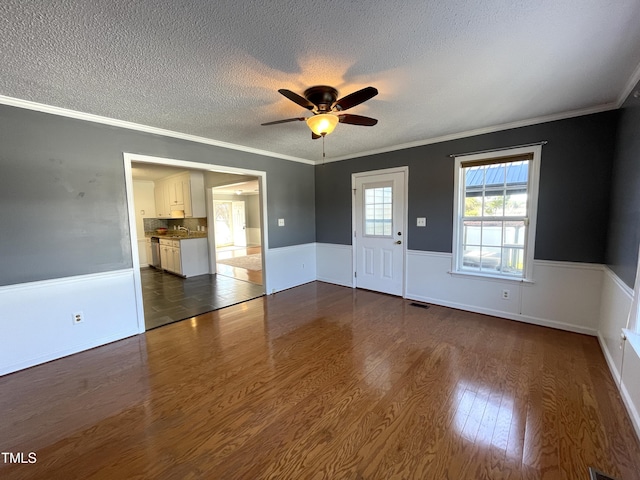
378, 211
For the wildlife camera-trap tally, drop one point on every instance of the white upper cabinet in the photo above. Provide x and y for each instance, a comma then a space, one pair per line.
183, 192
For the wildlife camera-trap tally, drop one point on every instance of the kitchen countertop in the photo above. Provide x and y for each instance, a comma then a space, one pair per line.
176, 236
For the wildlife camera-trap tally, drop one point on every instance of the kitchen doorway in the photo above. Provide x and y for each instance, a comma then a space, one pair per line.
165, 295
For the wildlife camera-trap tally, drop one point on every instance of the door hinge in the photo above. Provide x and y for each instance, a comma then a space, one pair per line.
355, 274
354, 233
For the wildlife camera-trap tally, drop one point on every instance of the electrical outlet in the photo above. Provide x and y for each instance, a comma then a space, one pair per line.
78, 317
506, 294
281, 222
421, 222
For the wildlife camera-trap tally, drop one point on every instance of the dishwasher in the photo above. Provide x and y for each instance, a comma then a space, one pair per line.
155, 253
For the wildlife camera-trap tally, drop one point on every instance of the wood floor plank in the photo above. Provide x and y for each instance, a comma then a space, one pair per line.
324, 382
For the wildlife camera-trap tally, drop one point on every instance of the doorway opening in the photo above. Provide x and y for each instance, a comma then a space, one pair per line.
236, 223
172, 226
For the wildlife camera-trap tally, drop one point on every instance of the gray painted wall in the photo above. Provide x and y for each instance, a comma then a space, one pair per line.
624, 225
62, 188
574, 192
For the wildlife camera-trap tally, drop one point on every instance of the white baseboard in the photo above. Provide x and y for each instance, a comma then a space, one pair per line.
506, 315
65, 352
563, 295
615, 373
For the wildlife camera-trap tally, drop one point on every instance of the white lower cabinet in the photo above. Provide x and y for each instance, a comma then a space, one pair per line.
187, 257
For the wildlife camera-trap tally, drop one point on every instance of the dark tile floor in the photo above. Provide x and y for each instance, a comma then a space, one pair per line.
168, 298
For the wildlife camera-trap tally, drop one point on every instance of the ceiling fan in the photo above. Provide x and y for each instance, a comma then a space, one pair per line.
321, 101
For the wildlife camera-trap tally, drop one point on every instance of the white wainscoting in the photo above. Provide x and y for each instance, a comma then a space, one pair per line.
37, 318
288, 267
564, 295
623, 363
335, 264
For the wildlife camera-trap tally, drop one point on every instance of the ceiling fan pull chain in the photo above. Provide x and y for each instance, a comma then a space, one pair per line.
323, 155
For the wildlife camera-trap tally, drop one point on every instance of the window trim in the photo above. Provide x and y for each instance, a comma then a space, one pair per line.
633, 321
532, 207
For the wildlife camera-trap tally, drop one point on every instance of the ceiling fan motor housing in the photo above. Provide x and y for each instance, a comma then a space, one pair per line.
322, 96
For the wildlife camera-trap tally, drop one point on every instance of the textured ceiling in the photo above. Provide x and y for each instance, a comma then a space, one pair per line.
212, 68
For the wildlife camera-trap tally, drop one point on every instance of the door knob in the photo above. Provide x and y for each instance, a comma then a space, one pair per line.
398, 242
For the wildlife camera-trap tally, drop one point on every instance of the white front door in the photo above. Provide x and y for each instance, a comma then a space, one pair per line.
379, 231
239, 224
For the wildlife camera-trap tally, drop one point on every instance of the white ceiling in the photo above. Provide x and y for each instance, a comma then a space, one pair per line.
240, 188
211, 69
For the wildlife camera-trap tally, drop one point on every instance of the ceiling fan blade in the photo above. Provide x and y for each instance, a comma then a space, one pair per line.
357, 120
301, 119
294, 97
355, 98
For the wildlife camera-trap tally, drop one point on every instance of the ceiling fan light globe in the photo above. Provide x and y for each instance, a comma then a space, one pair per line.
322, 124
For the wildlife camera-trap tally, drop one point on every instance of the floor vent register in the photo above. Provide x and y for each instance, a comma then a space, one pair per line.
598, 475
421, 305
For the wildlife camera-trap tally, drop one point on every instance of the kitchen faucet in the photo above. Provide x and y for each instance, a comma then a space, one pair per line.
180, 227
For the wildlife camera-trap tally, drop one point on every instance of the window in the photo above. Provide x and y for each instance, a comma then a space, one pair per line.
378, 208
495, 211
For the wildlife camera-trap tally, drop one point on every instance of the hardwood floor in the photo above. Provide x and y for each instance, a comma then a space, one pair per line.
323, 381
169, 298
253, 276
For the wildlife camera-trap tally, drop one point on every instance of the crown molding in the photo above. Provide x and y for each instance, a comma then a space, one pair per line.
633, 81
64, 112
89, 117
480, 131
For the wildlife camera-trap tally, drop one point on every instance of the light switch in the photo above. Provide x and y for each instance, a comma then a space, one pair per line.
281, 222
422, 222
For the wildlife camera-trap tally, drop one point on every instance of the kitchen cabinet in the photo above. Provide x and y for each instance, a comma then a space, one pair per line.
186, 257
162, 207
183, 192
167, 258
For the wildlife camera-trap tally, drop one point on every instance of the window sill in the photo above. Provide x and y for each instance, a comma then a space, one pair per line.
485, 276
633, 338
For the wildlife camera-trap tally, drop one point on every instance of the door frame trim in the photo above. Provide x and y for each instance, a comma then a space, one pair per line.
405, 221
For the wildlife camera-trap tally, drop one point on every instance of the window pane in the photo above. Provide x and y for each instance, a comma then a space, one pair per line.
471, 232
369, 227
513, 260
368, 196
492, 234
490, 259
481, 258
472, 206
471, 257
516, 205
514, 233
378, 211
494, 206
494, 175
